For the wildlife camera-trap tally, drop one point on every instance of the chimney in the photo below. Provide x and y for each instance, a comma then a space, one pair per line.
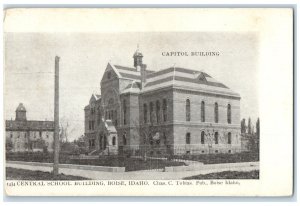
143, 75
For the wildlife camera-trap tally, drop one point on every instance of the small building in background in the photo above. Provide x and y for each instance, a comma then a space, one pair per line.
24, 135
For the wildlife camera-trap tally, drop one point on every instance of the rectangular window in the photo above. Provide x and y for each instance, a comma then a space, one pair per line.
151, 112
188, 138
202, 111
216, 113
229, 138
165, 110
158, 111
188, 110
124, 111
145, 113
202, 137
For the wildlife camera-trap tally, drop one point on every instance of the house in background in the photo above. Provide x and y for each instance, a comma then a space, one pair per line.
28, 135
174, 110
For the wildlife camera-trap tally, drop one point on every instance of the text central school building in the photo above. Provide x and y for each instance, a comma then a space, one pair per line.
173, 110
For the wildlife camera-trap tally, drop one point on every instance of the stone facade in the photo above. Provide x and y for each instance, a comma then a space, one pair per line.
174, 110
28, 135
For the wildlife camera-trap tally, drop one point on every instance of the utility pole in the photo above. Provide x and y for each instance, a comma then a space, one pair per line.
56, 118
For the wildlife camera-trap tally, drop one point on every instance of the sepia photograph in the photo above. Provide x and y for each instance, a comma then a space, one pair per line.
128, 107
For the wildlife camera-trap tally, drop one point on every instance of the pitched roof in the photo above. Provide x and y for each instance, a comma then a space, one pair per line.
109, 126
172, 76
185, 78
133, 87
130, 72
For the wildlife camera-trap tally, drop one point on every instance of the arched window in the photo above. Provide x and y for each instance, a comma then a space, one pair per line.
202, 137
157, 111
151, 112
188, 110
216, 113
124, 111
229, 114
188, 138
114, 141
124, 139
229, 138
216, 138
145, 113
202, 111
165, 110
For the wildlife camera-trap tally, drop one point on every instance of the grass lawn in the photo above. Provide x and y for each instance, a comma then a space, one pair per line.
135, 164
227, 175
222, 158
21, 174
130, 164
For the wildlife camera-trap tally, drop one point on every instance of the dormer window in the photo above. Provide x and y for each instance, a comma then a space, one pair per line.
201, 77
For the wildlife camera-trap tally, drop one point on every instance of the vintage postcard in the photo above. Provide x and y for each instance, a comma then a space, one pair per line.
148, 102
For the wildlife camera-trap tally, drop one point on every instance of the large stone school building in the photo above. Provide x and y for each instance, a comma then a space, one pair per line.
171, 111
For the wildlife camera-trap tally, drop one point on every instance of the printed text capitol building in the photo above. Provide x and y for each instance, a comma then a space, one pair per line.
170, 111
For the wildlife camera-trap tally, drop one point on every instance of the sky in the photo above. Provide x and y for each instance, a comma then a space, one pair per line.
29, 67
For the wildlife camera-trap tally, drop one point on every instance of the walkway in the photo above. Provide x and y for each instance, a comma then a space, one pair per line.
143, 175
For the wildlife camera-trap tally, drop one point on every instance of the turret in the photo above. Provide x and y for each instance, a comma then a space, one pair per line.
140, 67
21, 113
138, 59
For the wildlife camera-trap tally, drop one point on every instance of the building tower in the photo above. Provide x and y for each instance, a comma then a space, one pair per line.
21, 113
138, 58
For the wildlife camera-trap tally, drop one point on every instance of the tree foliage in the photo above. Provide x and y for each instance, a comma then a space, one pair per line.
243, 126
249, 126
257, 128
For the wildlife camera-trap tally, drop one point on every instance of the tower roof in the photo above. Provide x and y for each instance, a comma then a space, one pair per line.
21, 108
138, 53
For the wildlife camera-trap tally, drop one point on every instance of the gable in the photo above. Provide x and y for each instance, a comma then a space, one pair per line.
110, 73
92, 99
